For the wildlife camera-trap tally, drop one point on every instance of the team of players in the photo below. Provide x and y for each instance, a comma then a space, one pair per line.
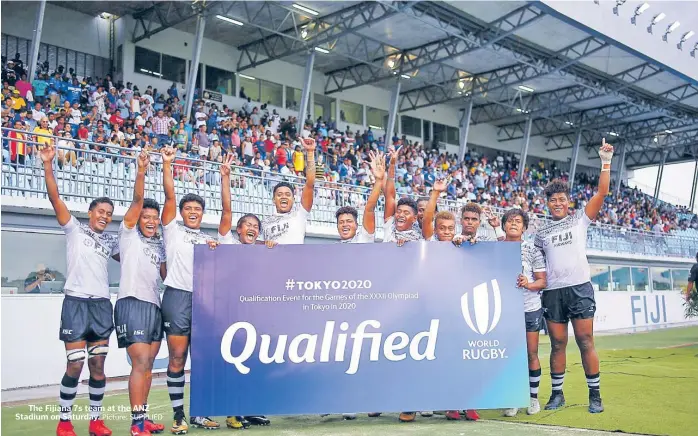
554, 266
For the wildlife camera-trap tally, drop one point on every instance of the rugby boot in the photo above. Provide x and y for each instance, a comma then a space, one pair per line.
204, 422
258, 420
65, 428
453, 415
427, 414
595, 403
179, 426
374, 414
153, 427
534, 407
556, 401
349, 416
471, 415
137, 431
97, 428
510, 413
232, 422
407, 416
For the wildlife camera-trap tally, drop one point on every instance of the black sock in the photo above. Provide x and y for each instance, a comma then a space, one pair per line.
175, 387
69, 388
534, 381
96, 388
557, 381
594, 383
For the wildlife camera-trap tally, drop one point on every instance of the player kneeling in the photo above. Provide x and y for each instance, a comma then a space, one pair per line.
532, 280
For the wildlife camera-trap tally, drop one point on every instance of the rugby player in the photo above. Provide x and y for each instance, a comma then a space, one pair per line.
177, 298
470, 224
441, 227
347, 216
247, 231
287, 225
569, 294
532, 280
86, 315
137, 311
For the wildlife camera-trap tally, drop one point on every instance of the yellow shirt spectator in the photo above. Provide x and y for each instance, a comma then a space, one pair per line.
18, 102
43, 130
298, 160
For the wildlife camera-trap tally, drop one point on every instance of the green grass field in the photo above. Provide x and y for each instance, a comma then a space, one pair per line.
649, 382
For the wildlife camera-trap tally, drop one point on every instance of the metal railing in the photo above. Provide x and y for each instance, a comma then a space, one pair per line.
85, 170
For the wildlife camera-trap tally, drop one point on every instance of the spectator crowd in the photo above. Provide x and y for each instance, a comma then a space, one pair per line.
119, 119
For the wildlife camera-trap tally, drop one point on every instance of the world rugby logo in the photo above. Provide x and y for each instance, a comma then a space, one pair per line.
479, 305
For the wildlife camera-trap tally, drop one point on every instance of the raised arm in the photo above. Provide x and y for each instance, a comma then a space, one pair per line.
378, 170
309, 187
389, 189
134, 211
227, 215
169, 211
428, 219
596, 203
47, 153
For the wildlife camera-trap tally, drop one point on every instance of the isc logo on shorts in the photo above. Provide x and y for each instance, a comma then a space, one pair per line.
138, 333
67, 332
167, 324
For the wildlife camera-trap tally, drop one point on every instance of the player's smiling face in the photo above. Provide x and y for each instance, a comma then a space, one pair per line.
100, 217
248, 231
559, 205
405, 217
192, 213
514, 227
421, 206
148, 222
283, 199
346, 226
445, 229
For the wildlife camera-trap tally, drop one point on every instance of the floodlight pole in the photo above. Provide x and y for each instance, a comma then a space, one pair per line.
36, 42
524, 147
575, 157
305, 93
621, 168
463, 131
194, 66
392, 113
694, 188
660, 173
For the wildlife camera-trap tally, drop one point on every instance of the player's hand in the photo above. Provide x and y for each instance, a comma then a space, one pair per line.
522, 281
271, 244
213, 244
458, 240
143, 161
441, 185
47, 153
225, 166
309, 145
377, 165
472, 239
401, 242
168, 154
492, 219
394, 153
606, 152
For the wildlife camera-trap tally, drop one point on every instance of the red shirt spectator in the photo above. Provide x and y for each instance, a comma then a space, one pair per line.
281, 156
268, 145
83, 133
116, 119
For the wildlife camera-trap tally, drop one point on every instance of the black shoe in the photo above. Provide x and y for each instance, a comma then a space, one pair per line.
245, 423
556, 401
595, 403
258, 420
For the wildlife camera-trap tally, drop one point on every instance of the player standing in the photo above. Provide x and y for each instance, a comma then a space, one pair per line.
347, 216
399, 221
137, 313
86, 315
247, 231
569, 294
287, 225
441, 227
177, 299
470, 224
532, 280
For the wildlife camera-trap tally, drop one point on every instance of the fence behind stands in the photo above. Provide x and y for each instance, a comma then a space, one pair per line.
90, 170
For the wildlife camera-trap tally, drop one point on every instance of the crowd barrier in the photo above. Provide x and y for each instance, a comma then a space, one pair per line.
83, 173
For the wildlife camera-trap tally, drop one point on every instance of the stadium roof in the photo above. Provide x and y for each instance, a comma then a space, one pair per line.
515, 59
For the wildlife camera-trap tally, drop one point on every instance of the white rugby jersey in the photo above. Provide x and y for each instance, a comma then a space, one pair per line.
179, 248
392, 234
361, 237
564, 243
140, 265
533, 261
286, 228
88, 256
229, 239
